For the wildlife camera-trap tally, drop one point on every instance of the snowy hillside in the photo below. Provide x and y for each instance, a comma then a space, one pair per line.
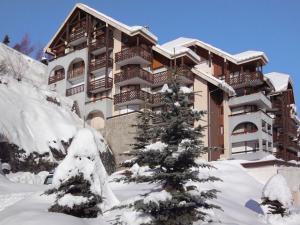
239, 197
32, 71
36, 122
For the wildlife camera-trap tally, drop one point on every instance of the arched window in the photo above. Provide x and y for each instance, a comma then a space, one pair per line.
243, 128
96, 120
76, 68
56, 74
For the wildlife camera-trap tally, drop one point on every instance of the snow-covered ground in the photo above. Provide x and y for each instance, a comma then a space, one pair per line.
239, 197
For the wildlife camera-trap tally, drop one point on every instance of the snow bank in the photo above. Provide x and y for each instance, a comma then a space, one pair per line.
277, 189
27, 177
83, 157
157, 146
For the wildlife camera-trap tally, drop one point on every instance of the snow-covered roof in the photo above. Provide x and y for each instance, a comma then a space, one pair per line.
177, 51
236, 58
280, 81
213, 80
130, 30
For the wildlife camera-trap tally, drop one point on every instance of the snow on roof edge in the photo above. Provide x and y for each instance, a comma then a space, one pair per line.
131, 30
236, 58
215, 81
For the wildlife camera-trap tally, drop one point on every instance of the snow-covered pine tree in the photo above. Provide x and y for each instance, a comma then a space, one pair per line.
277, 196
144, 136
172, 158
80, 181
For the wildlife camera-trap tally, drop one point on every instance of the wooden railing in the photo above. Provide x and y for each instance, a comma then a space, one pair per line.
100, 63
75, 90
58, 75
131, 95
76, 72
134, 72
165, 76
102, 83
246, 79
97, 44
132, 52
78, 33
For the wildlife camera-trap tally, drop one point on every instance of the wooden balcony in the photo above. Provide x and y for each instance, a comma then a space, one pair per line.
132, 97
185, 76
246, 79
78, 36
99, 64
134, 75
98, 46
75, 73
133, 55
75, 90
58, 75
99, 85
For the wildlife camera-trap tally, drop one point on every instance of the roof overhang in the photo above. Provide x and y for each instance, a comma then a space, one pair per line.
167, 54
215, 81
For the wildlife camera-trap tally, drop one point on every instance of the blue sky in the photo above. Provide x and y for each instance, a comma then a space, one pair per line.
272, 26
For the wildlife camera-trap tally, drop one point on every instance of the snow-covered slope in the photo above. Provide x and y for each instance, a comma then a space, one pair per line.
34, 118
32, 71
239, 197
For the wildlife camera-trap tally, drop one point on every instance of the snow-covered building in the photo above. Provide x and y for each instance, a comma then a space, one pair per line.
113, 70
286, 122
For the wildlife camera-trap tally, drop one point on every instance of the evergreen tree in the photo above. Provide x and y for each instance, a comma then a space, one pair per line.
143, 137
274, 206
6, 40
172, 158
75, 198
80, 180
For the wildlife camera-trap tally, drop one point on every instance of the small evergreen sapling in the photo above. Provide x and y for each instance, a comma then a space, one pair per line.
172, 159
277, 196
80, 180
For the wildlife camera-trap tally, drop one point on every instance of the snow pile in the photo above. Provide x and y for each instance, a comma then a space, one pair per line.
165, 88
83, 158
27, 177
277, 189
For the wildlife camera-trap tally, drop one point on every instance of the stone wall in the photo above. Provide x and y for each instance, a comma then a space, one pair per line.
119, 133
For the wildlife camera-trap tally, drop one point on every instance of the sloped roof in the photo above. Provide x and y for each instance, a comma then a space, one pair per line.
130, 30
280, 81
236, 58
213, 80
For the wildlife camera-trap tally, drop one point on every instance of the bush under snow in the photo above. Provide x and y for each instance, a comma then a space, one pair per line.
80, 181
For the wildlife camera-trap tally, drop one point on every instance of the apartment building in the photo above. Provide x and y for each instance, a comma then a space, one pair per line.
112, 71
286, 122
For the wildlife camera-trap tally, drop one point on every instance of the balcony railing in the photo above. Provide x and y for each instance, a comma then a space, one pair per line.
134, 72
100, 84
75, 90
56, 77
165, 76
75, 72
246, 79
132, 52
78, 33
100, 43
131, 95
100, 63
